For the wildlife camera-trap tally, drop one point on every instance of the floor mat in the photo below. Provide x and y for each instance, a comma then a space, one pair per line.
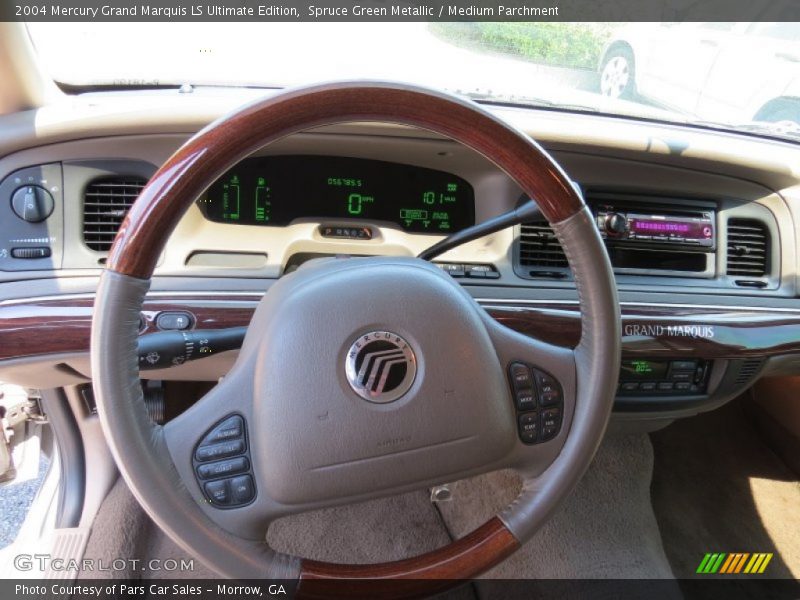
718, 488
605, 530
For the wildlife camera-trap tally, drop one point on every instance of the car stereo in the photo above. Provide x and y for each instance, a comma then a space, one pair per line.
687, 230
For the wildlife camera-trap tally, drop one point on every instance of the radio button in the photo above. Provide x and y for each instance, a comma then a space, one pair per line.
546, 383
647, 386
665, 386
521, 376
528, 427
551, 423
526, 400
630, 386
615, 224
683, 386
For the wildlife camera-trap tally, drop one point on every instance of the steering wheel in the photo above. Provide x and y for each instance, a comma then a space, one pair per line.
357, 378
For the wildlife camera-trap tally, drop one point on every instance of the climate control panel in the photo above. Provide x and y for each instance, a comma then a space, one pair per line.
539, 403
645, 377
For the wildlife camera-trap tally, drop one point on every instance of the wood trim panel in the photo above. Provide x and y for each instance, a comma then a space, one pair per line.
416, 577
217, 148
60, 326
63, 326
654, 332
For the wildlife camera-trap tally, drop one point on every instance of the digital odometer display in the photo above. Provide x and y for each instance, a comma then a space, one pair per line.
275, 190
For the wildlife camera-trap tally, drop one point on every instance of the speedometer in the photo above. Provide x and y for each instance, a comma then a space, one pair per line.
276, 190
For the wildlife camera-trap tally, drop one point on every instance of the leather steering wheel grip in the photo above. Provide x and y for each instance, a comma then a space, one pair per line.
139, 446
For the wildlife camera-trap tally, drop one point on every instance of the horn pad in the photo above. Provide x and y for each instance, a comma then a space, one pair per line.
389, 380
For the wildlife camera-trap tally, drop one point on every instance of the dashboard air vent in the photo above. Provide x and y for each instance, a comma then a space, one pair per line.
105, 204
539, 247
747, 371
748, 248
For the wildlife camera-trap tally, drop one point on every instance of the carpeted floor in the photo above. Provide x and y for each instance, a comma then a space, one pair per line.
715, 488
718, 488
605, 530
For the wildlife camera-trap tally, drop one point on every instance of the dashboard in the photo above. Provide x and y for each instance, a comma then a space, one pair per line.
701, 229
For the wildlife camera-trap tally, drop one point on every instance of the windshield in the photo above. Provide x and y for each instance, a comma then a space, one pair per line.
740, 76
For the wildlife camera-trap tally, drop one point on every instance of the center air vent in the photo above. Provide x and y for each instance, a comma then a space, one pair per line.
539, 247
105, 204
748, 248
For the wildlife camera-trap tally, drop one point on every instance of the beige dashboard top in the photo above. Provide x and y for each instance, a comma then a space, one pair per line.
595, 150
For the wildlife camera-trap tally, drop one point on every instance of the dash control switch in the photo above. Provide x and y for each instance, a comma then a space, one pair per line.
173, 321
222, 464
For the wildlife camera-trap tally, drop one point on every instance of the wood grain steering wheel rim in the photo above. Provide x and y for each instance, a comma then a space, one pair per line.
217, 148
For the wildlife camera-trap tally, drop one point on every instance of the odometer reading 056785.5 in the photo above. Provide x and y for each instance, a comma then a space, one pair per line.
276, 190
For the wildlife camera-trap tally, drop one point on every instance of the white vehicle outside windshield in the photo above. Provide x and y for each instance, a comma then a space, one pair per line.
743, 76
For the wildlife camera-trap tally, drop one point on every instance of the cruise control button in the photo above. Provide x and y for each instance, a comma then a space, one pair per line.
528, 427
222, 450
231, 466
229, 429
219, 492
242, 490
521, 376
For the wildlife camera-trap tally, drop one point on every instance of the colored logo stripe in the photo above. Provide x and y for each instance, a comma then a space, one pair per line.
735, 562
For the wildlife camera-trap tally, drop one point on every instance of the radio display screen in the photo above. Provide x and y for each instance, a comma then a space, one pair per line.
695, 230
643, 370
275, 190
